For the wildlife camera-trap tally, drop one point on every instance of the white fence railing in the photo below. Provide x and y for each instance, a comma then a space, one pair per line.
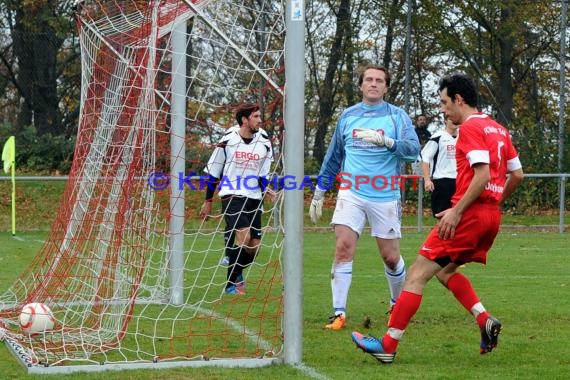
562, 178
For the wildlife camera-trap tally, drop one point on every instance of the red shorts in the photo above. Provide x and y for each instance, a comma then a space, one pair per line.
474, 236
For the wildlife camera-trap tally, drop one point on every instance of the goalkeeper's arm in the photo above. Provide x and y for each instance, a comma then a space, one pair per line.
406, 148
374, 137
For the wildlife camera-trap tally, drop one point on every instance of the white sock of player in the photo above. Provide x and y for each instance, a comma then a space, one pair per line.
340, 284
396, 279
477, 309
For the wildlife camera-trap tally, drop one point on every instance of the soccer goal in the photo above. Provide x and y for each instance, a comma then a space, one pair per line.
129, 270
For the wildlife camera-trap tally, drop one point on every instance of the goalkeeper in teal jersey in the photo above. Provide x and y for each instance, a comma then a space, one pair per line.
371, 141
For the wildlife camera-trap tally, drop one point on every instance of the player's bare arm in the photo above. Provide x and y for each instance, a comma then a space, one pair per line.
206, 210
450, 218
428, 184
271, 194
513, 181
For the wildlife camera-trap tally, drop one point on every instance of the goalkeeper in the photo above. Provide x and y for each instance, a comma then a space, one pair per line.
372, 138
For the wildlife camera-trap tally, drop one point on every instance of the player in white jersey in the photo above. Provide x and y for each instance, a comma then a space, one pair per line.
242, 157
229, 236
439, 167
371, 140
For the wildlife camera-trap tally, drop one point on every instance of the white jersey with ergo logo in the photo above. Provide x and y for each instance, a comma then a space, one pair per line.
238, 165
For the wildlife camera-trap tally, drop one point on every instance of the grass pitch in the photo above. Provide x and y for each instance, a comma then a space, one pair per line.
526, 284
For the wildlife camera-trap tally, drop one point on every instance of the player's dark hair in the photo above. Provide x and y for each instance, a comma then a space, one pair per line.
373, 67
245, 110
460, 84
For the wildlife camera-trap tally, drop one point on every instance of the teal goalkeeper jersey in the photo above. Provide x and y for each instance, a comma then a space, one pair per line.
370, 171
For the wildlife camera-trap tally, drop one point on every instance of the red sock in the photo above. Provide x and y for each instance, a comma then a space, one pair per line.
482, 318
405, 308
463, 291
389, 344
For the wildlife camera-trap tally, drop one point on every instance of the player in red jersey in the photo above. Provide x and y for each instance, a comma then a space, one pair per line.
488, 171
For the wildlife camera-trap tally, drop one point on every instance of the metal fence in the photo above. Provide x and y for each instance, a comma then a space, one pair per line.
562, 181
562, 178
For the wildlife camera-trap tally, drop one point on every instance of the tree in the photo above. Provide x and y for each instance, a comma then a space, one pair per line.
511, 48
353, 42
35, 58
326, 90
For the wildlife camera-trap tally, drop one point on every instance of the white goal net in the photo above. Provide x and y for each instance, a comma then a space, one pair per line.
126, 284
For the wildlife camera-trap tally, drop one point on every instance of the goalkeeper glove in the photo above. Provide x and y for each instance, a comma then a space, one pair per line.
316, 209
374, 137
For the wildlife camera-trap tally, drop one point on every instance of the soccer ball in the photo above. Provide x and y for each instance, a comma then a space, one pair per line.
35, 318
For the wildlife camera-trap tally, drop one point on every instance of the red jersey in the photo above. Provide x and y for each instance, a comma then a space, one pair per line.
483, 140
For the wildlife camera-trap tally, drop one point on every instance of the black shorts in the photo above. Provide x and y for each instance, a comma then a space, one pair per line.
443, 190
240, 212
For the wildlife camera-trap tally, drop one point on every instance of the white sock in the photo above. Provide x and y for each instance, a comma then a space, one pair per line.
340, 283
477, 309
395, 333
396, 279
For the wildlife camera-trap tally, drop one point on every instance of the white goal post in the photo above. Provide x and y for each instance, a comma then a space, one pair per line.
131, 273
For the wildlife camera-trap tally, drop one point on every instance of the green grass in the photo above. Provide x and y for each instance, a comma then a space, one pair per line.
525, 284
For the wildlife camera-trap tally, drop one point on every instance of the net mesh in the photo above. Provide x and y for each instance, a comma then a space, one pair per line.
105, 268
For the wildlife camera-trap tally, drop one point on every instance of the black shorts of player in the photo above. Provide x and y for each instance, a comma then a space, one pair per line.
240, 212
443, 261
443, 190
